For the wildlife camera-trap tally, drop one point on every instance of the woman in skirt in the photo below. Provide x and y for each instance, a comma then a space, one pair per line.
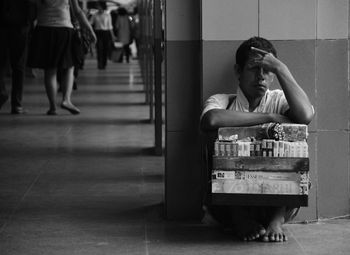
51, 47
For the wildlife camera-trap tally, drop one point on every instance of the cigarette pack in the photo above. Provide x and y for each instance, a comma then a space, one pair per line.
234, 147
228, 149
216, 148
275, 149
258, 150
294, 132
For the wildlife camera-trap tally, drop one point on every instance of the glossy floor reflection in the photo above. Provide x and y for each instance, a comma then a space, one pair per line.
87, 184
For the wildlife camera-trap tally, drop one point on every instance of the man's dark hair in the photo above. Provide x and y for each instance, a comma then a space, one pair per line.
244, 50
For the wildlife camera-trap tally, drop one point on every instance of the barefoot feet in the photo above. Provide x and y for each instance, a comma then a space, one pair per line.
274, 232
249, 230
70, 107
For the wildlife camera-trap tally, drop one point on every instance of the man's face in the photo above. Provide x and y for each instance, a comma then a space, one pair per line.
254, 80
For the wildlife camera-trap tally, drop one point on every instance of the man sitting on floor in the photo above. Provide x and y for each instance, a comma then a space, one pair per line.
256, 66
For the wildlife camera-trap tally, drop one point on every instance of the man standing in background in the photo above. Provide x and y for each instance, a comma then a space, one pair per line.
102, 24
15, 19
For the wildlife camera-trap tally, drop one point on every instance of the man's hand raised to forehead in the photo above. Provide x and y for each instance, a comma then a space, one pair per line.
266, 60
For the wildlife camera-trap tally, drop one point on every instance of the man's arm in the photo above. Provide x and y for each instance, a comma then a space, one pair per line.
215, 118
300, 108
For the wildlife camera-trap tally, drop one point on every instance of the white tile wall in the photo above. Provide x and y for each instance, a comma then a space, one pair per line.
274, 19
287, 20
332, 19
229, 19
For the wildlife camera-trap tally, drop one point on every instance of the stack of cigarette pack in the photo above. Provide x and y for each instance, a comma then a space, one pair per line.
286, 132
270, 159
264, 148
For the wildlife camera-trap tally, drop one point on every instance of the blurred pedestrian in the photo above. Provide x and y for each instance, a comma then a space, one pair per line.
101, 21
124, 35
135, 29
15, 19
51, 47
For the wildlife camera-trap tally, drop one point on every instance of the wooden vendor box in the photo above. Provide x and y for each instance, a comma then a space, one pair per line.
261, 165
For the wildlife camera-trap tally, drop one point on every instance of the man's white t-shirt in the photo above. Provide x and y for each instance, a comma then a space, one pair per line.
274, 101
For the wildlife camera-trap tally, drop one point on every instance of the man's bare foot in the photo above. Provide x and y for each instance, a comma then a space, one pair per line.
249, 230
274, 232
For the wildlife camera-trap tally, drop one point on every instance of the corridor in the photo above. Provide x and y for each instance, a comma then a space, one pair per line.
88, 184
79, 184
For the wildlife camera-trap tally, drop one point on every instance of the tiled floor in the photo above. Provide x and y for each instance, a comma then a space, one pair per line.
87, 184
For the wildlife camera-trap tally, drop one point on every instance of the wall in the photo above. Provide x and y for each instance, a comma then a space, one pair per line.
311, 37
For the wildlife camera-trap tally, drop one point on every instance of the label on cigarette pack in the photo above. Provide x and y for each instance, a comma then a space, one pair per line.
258, 182
256, 175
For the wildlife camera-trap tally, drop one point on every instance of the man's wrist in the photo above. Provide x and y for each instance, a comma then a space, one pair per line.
281, 68
270, 117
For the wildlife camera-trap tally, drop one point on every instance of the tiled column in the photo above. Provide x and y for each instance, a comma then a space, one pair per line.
332, 90
183, 93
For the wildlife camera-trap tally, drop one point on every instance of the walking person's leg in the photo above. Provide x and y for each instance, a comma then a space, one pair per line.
75, 74
18, 56
3, 91
127, 52
67, 86
50, 79
105, 48
3, 65
120, 60
99, 50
